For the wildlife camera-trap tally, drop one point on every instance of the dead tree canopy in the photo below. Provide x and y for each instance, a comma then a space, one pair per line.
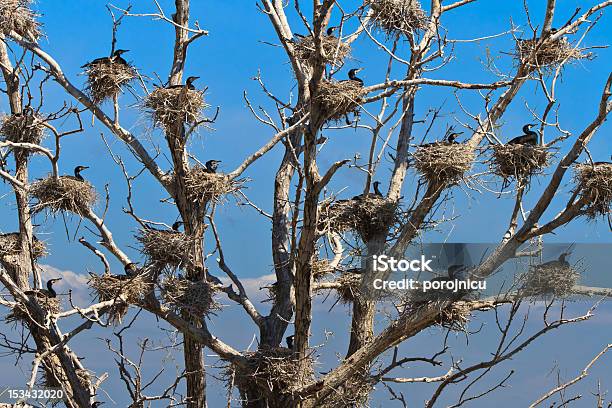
363, 130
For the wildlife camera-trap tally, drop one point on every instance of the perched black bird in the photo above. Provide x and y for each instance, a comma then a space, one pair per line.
211, 166
376, 189
130, 269
377, 192
176, 226
49, 292
115, 57
352, 74
289, 340
452, 137
77, 173
530, 137
330, 31
560, 262
188, 84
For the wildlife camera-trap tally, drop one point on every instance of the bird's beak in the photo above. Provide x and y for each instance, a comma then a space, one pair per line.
359, 70
85, 167
57, 279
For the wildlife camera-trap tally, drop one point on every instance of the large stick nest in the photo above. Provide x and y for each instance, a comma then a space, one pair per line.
333, 50
195, 297
123, 290
171, 108
10, 245
48, 304
354, 392
26, 127
273, 370
166, 247
349, 286
203, 186
64, 193
548, 54
105, 80
594, 182
395, 17
551, 279
369, 216
443, 163
320, 268
519, 161
17, 16
339, 98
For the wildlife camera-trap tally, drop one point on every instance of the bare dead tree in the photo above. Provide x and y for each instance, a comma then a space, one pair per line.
310, 228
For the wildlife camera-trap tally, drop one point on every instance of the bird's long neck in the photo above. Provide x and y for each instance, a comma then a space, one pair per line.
77, 175
377, 190
52, 292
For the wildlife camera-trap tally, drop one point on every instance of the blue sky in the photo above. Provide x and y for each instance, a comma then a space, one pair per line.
227, 60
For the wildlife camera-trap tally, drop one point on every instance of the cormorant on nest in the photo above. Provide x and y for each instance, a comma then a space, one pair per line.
48, 293
114, 58
188, 84
530, 137
211, 166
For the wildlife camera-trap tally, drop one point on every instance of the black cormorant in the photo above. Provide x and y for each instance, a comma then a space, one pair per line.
450, 139
49, 292
176, 226
330, 31
530, 137
376, 189
211, 166
115, 57
188, 84
289, 340
131, 269
560, 262
77, 173
352, 74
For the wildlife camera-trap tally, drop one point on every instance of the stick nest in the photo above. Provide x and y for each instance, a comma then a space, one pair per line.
166, 247
354, 392
173, 107
10, 245
369, 216
203, 186
339, 98
595, 184
349, 283
548, 54
519, 161
556, 279
195, 297
49, 305
320, 268
273, 370
63, 194
17, 16
443, 163
105, 80
124, 291
333, 50
27, 127
396, 17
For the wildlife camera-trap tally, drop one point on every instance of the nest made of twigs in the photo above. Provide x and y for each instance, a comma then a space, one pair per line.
166, 247
26, 127
548, 54
442, 162
194, 297
173, 107
353, 392
349, 286
519, 161
123, 290
333, 50
9, 245
554, 279
17, 16
106, 79
273, 370
64, 193
50, 305
320, 268
455, 317
339, 98
395, 17
204, 186
594, 182
369, 216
